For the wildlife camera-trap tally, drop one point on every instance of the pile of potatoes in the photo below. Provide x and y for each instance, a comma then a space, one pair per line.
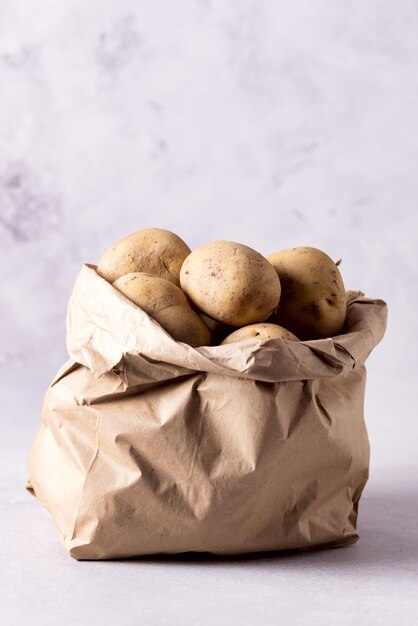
224, 292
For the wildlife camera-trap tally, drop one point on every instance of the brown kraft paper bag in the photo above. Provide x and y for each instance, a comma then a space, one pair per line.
150, 446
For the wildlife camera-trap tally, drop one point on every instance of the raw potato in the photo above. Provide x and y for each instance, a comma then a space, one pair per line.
312, 304
259, 332
152, 250
231, 283
167, 304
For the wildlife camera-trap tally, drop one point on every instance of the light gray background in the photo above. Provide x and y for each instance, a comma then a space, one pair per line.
270, 123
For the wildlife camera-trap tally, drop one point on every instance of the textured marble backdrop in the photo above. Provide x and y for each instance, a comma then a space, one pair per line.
270, 123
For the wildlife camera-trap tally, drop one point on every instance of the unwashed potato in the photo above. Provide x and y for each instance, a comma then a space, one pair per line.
231, 283
153, 250
313, 303
167, 304
259, 332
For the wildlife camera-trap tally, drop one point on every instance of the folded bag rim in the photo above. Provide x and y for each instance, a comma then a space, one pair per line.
107, 332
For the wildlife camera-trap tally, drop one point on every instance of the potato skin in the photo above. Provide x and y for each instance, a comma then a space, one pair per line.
152, 251
167, 304
230, 283
259, 332
313, 303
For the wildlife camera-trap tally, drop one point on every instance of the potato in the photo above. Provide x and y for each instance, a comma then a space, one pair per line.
230, 283
312, 304
167, 304
152, 251
259, 332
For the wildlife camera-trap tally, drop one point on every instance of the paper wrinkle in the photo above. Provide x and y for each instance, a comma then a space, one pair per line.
72, 438
66, 368
299, 504
150, 446
319, 408
291, 410
87, 475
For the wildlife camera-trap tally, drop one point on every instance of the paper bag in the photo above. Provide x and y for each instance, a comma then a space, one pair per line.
150, 446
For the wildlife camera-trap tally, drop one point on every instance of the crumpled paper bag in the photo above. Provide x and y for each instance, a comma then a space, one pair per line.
150, 446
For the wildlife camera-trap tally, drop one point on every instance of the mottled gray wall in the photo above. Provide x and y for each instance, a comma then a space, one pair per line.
270, 123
